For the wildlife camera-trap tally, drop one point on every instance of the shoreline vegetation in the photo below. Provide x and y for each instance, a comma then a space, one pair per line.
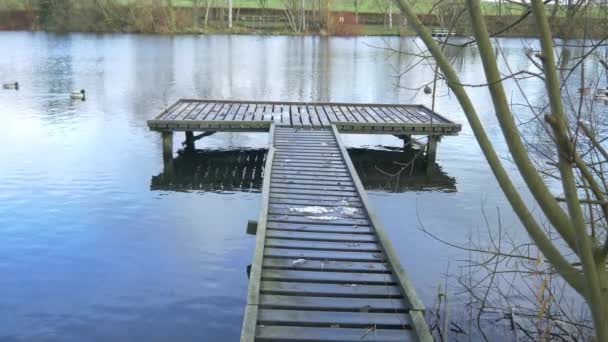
285, 17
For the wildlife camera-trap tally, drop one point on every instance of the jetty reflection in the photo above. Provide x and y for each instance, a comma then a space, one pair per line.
386, 169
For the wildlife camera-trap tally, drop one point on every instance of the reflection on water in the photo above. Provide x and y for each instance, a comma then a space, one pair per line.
392, 170
214, 170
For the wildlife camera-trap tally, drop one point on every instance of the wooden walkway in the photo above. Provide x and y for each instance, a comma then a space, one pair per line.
323, 268
219, 115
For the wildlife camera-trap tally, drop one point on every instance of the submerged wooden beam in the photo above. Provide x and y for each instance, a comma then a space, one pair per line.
431, 149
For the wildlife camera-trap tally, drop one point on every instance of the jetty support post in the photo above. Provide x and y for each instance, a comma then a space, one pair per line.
190, 140
431, 148
407, 140
168, 151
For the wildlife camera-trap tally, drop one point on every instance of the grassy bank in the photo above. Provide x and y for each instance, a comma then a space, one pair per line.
189, 16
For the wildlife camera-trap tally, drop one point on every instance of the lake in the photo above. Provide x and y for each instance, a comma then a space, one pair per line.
90, 250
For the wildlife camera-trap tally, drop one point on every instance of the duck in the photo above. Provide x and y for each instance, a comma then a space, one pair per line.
14, 85
603, 97
78, 95
584, 91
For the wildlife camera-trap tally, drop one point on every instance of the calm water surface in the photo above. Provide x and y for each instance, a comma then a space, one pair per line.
89, 252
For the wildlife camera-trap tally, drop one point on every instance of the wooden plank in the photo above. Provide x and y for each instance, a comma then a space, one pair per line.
310, 150
308, 153
323, 255
319, 219
294, 117
330, 290
312, 187
328, 319
327, 265
328, 277
331, 117
303, 157
332, 304
280, 145
214, 111
232, 112
324, 245
316, 228
177, 110
364, 115
309, 132
253, 292
387, 118
405, 117
325, 164
354, 114
319, 120
305, 117
370, 113
313, 192
312, 198
314, 181
278, 176
196, 111
324, 168
308, 136
309, 167
421, 328
193, 111
314, 236
316, 334
317, 173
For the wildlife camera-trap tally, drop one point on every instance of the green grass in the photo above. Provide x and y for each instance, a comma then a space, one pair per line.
366, 6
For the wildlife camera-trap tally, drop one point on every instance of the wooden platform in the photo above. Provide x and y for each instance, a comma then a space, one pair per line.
219, 115
324, 268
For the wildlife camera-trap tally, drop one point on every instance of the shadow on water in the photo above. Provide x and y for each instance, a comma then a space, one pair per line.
388, 170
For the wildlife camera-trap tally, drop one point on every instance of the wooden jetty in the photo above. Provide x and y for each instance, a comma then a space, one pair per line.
323, 268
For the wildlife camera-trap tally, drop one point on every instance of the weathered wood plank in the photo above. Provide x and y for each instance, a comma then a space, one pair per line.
278, 175
314, 181
324, 245
333, 304
278, 184
326, 276
309, 158
328, 319
316, 334
319, 219
330, 290
327, 265
315, 236
275, 196
323, 255
316, 228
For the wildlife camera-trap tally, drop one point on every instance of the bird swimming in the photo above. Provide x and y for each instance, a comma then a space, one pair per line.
78, 95
14, 85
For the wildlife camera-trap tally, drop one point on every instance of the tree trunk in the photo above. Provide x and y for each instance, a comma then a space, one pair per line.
207, 12
390, 15
230, 14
